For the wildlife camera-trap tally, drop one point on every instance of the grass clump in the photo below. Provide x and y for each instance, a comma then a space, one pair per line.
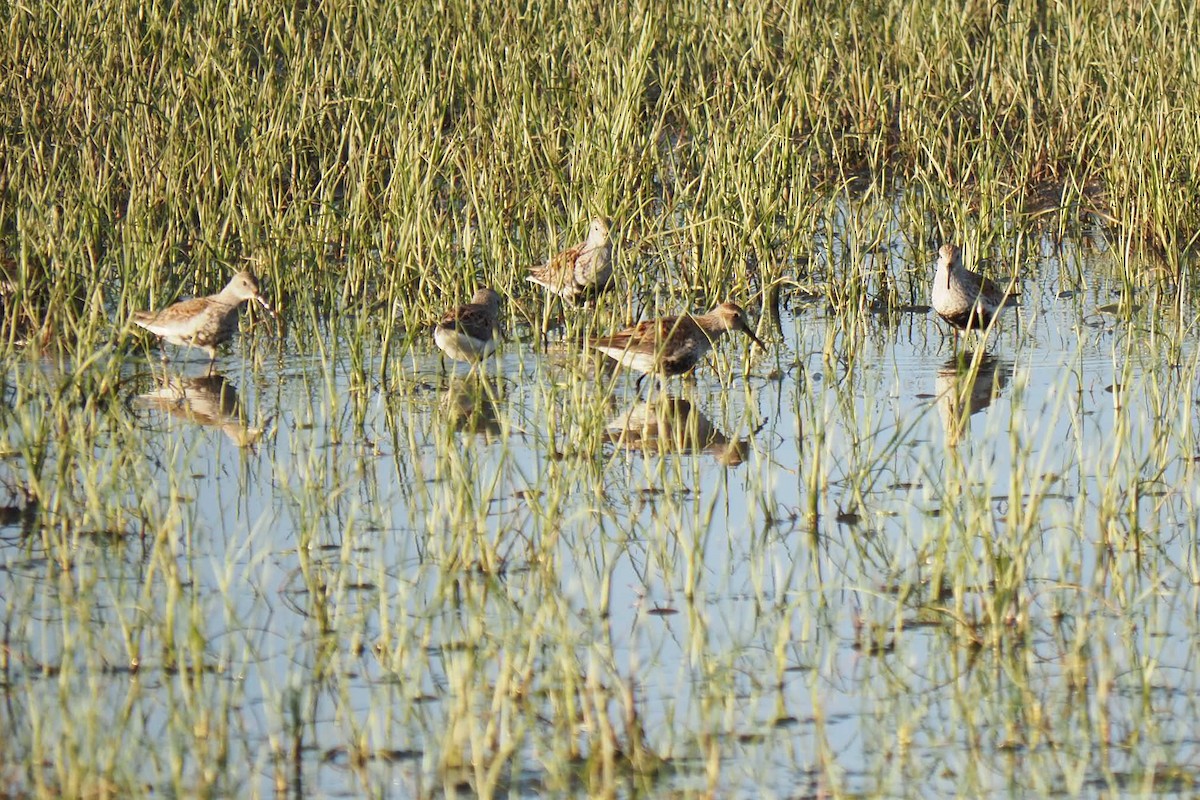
389, 159
486, 581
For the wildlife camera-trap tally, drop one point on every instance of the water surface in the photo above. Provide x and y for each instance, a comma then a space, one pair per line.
869, 564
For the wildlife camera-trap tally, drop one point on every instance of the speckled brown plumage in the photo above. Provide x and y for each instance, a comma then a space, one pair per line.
673, 345
204, 322
581, 271
469, 332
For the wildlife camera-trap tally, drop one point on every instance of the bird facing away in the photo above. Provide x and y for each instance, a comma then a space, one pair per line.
584, 270
204, 322
965, 299
469, 333
673, 345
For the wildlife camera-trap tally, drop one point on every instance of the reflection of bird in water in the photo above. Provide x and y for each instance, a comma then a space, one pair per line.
673, 425
469, 407
965, 386
208, 400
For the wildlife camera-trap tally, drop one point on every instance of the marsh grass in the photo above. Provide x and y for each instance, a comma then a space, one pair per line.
387, 162
462, 582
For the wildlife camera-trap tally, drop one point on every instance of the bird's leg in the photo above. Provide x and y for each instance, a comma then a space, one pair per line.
576, 305
546, 318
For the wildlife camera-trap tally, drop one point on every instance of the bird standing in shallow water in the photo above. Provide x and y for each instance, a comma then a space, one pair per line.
204, 322
673, 345
966, 299
584, 270
469, 332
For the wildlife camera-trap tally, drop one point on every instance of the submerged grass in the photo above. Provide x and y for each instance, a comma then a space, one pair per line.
458, 583
497, 582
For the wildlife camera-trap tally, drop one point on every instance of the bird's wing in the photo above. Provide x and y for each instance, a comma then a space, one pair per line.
471, 319
558, 270
184, 308
995, 293
645, 337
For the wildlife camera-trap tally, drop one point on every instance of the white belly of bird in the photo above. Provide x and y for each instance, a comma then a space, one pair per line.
461, 347
642, 362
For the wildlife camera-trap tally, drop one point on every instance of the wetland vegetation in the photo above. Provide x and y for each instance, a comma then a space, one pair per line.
860, 562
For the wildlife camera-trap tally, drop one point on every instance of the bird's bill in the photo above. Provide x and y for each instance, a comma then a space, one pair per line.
265, 305
746, 330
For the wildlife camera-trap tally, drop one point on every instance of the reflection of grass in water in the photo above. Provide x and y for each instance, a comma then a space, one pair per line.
534, 607
499, 606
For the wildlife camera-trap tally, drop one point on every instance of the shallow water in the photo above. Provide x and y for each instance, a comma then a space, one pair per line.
866, 567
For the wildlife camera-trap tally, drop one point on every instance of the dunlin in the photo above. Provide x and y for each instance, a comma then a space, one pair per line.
204, 322
469, 333
966, 299
673, 345
581, 271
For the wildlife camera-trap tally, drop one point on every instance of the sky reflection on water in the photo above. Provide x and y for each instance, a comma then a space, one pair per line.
807, 567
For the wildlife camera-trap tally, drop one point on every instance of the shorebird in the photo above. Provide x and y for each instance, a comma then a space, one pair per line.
582, 271
966, 299
469, 333
204, 322
673, 345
